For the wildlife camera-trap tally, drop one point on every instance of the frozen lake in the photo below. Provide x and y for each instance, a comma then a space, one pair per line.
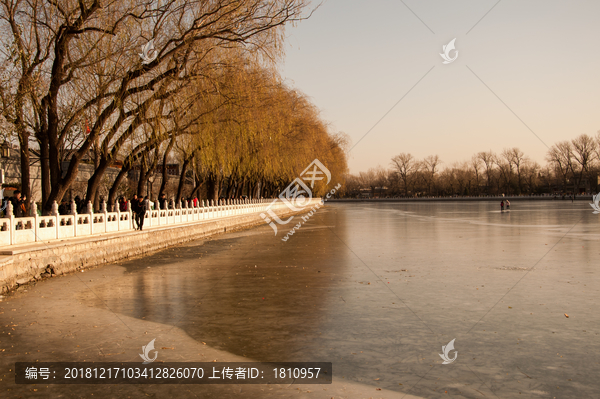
376, 289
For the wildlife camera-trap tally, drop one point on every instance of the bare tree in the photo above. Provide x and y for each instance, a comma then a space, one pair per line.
431, 164
405, 165
560, 156
515, 157
583, 152
488, 159
475, 165
530, 172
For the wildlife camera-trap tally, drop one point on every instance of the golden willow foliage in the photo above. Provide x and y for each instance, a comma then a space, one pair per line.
264, 132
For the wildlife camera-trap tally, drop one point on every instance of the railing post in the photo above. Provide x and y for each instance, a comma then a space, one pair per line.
105, 212
157, 208
130, 213
54, 212
74, 213
11, 224
90, 212
33, 213
90, 208
118, 210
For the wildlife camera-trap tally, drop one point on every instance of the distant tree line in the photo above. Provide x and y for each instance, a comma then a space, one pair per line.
572, 168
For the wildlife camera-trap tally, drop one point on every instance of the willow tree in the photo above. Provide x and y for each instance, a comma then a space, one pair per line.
78, 61
258, 133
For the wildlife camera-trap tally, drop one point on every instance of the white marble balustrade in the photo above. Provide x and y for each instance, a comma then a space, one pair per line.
32, 229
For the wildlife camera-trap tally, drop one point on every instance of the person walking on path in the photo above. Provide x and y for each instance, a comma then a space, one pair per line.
135, 203
63, 209
163, 201
502, 206
140, 214
79, 204
122, 205
507, 205
18, 204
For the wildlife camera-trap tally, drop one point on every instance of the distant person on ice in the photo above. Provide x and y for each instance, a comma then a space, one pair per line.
502, 206
507, 205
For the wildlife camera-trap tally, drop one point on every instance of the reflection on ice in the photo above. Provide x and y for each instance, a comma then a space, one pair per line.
379, 288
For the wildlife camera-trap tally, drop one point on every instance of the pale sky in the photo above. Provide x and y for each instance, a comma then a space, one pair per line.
355, 59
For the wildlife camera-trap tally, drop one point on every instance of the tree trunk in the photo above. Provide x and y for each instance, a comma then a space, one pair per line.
60, 188
197, 185
112, 194
95, 179
45, 169
230, 186
184, 166
213, 187
141, 187
240, 189
260, 189
96, 198
25, 172
165, 177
